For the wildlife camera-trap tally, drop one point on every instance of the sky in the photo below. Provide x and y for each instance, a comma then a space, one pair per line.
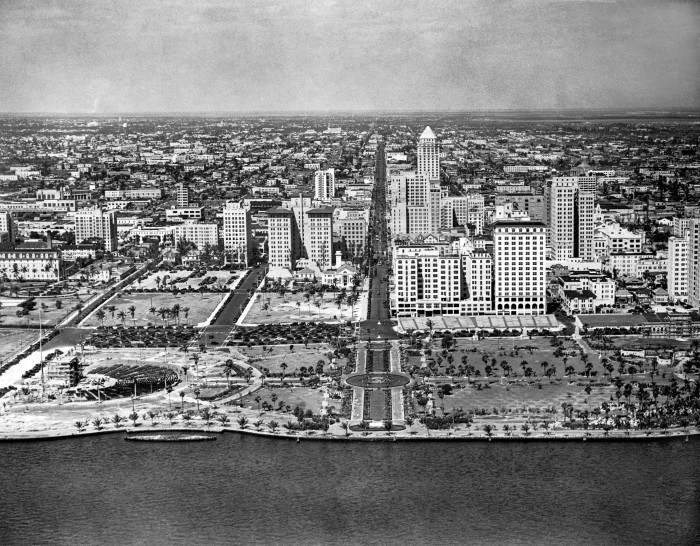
94, 56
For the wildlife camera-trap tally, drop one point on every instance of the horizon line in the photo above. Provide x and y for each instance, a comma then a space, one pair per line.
625, 109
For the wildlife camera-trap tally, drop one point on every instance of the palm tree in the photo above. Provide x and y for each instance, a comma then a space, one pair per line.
242, 421
134, 417
273, 425
100, 315
223, 419
117, 419
121, 316
429, 323
257, 400
182, 400
97, 421
488, 429
176, 312
169, 389
227, 373
132, 311
186, 310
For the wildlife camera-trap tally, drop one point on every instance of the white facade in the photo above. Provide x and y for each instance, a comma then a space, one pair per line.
519, 272
678, 268
183, 195
612, 238
324, 185
8, 225
694, 263
280, 236
237, 232
428, 155
569, 212
30, 264
96, 222
319, 236
199, 234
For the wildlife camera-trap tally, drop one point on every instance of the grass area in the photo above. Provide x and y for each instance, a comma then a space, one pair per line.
12, 341
149, 283
274, 355
514, 353
306, 399
194, 308
638, 342
517, 398
50, 314
295, 308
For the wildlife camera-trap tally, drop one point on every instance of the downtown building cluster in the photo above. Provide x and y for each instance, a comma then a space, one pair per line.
125, 192
532, 239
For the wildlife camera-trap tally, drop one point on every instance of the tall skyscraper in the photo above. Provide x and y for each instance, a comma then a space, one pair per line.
678, 269
319, 236
238, 233
183, 195
428, 155
694, 262
519, 272
8, 225
281, 233
569, 212
324, 185
97, 223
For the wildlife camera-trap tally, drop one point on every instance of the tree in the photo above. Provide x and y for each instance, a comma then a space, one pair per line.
242, 421
223, 419
100, 315
134, 417
257, 400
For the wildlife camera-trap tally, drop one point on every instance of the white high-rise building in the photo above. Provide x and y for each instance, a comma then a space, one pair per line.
8, 225
428, 283
569, 220
319, 236
281, 233
429, 155
200, 234
238, 241
183, 195
519, 250
98, 223
324, 185
678, 269
694, 262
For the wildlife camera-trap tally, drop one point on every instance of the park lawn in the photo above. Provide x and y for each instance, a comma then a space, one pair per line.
50, 315
517, 398
503, 349
285, 309
12, 341
200, 308
149, 283
273, 359
305, 398
641, 342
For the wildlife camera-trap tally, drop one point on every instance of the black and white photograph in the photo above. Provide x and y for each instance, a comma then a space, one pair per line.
349, 272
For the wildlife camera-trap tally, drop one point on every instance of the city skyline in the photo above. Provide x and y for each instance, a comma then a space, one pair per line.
168, 57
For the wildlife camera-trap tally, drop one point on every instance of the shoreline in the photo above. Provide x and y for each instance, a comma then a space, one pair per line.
460, 436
